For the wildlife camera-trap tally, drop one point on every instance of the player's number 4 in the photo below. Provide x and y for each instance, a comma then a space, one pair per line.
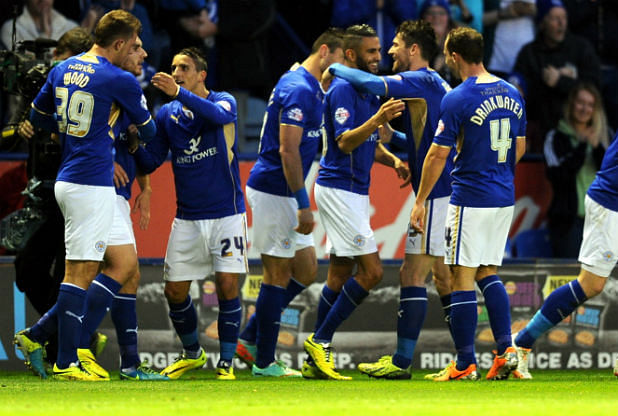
74, 119
500, 131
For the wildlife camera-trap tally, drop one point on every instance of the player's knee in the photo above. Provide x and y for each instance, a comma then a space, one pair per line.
227, 288
174, 294
374, 274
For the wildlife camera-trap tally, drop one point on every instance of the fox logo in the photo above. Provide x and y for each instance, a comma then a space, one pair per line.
193, 145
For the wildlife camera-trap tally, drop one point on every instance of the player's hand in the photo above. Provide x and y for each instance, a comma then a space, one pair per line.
385, 133
403, 172
142, 204
25, 129
132, 138
165, 83
305, 221
120, 176
327, 78
389, 110
417, 217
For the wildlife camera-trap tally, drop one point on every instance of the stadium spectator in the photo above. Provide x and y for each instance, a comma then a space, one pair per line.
209, 231
548, 67
423, 89
597, 256
383, 15
39, 19
351, 121
438, 14
483, 116
573, 151
597, 20
282, 217
514, 27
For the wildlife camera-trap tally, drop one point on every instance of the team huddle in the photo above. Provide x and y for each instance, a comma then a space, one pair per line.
462, 144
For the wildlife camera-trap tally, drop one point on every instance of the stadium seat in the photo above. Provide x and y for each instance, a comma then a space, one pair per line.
532, 243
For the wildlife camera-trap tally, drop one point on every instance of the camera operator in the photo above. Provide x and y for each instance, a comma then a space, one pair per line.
44, 250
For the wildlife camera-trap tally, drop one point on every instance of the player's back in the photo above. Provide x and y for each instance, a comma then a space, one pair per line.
604, 188
486, 115
422, 91
344, 110
296, 100
87, 93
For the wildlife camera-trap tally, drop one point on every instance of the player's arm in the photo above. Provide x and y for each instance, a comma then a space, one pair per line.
520, 148
43, 120
392, 136
131, 98
217, 113
290, 137
351, 139
154, 153
142, 201
391, 86
432, 169
386, 158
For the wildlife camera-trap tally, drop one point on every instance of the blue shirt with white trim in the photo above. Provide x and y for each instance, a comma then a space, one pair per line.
86, 93
296, 100
604, 188
482, 118
201, 135
345, 109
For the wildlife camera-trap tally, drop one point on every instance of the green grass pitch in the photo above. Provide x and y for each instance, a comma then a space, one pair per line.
564, 393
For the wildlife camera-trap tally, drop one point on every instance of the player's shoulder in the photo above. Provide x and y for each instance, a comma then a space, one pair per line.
339, 86
224, 99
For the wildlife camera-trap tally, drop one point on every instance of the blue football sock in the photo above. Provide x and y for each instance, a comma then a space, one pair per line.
352, 294
498, 309
327, 300
184, 319
446, 310
124, 317
410, 318
71, 307
228, 325
268, 314
464, 316
99, 297
559, 304
249, 333
46, 326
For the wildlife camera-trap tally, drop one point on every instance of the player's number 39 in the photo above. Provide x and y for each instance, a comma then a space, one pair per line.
74, 119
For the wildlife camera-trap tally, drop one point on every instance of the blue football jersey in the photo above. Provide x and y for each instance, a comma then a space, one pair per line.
482, 118
296, 100
604, 188
422, 91
345, 109
86, 93
201, 135
123, 157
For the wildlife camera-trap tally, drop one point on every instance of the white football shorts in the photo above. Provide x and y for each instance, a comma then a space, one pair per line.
600, 243
430, 242
274, 220
345, 217
88, 212
122, 227
476, 236
197, 248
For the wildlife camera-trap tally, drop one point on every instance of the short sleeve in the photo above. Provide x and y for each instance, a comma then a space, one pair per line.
341, 108
450, 121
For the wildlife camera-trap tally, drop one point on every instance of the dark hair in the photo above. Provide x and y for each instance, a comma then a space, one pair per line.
74, 41
117, 24
421, 33
199, 60
353, 36
331, 37
467, 43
